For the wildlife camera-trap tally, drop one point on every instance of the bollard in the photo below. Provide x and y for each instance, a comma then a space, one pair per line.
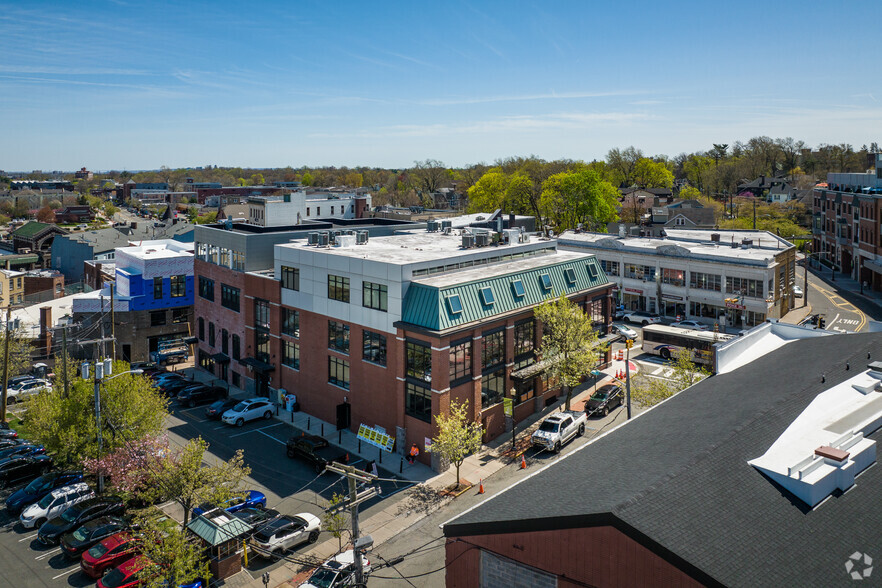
308, 422
340, 436
323, 429
277, 410
401, 466
381, 456
292, 416
359, 445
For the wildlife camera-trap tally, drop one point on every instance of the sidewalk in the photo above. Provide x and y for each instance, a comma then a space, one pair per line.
844, 283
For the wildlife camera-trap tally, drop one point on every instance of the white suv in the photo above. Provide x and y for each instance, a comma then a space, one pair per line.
338, 572
22, 390
55, 503
248, 410
285, 533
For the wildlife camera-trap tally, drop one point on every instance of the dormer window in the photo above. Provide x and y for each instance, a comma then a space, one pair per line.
454, 304
487, 296
517, 286
570, 275
545, 281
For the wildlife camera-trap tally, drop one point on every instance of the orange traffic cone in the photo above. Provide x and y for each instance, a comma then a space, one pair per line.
481, 487
523, 462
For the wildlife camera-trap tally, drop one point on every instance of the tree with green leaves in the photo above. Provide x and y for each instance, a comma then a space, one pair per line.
131, 408
458, 436
579, 197
183, 477
652, 174
648, 391
570, 346
336, 519
173, 556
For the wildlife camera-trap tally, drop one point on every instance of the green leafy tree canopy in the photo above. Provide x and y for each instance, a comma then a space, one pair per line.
457, 437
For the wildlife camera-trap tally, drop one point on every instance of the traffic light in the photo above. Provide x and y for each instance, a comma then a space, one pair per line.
629, 343
821, 322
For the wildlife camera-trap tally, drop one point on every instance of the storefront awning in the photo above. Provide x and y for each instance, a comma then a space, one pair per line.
221, 358
873, 266
257, 365
531, 371
191, 340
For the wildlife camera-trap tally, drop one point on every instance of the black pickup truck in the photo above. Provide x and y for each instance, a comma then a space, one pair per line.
316, 450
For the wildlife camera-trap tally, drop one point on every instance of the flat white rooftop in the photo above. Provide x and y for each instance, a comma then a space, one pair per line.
673, 247
491, 271
159, 249
759, 341
408, 247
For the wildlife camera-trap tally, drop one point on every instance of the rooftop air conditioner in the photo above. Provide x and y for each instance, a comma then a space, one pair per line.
313, 238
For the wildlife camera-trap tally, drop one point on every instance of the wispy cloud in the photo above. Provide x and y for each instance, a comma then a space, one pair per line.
75, 71
524, 97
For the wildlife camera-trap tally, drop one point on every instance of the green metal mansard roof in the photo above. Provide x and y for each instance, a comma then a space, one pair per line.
430, 303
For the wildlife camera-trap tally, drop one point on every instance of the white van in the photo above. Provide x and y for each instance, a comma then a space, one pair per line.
55, 503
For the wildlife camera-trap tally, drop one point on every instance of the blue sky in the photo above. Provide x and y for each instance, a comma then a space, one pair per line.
120, 84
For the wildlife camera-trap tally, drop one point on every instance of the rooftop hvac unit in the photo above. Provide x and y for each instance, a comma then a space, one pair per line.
715, 237
324, 239
431, 226
468, 241
446, 224
361, 237
482, 239
313, 238
447, 230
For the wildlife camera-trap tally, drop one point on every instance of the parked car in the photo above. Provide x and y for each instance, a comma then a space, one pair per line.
690, 324
54, 503
797, 291
219, 407
16, 380
21, 468
173, 386
8, 434
315, 450
624, 331
248, 410
8, 442
251, 498
337, 572
256, 517
23, 390
200, 394
558, 429
125, 575
78, 515
73, 544
641, 317
286, 532
39, 488
604, 400
22, 449
108, 554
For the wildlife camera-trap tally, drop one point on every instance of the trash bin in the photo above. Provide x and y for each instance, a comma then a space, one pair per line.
291, 402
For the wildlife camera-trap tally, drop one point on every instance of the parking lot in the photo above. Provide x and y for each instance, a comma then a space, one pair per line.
290, 485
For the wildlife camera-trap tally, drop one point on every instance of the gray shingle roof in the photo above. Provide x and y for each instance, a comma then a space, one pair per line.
677, 477
103, 240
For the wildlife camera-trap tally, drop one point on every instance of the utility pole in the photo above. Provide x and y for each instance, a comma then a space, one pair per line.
64, 360
112, 327
355, 475
5, 364
628, 344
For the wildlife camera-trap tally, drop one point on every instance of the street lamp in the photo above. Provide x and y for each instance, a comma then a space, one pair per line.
102, 369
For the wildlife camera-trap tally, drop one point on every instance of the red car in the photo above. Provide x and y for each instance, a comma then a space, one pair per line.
125, 575
108, 554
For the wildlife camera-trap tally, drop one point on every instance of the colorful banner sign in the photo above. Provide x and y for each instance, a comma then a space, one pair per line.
376, 437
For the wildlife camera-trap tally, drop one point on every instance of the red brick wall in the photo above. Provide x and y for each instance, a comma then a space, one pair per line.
594, 556
223, 318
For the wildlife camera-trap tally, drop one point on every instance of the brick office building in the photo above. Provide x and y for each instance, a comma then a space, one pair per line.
387, 331
847, 224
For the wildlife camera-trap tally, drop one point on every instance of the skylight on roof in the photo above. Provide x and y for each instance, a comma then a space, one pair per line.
592, 271
454, 304
487, 296
517, 287
570, 275
545, 280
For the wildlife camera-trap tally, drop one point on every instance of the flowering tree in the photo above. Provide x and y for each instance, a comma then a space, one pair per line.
131, 466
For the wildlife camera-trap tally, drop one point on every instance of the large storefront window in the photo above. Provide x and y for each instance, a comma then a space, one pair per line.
703, 310
418, 401
262, 346
594, 309
524, 335
460, 360
494, 349
610, 267
674, 277
744, 287
492, 388
703, 281
640, 272
418, 360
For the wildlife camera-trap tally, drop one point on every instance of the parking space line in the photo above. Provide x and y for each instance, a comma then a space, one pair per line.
257, 430
70, 571
28, 537
47, 554
268, 435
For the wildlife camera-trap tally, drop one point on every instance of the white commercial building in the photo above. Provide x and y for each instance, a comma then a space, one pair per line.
296, 207
737, 278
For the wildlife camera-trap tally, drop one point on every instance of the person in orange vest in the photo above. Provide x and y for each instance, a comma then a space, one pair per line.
414, 453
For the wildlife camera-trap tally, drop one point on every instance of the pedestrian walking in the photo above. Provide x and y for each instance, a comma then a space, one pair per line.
414, 453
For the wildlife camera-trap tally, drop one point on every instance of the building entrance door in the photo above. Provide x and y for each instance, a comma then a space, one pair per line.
344, 416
